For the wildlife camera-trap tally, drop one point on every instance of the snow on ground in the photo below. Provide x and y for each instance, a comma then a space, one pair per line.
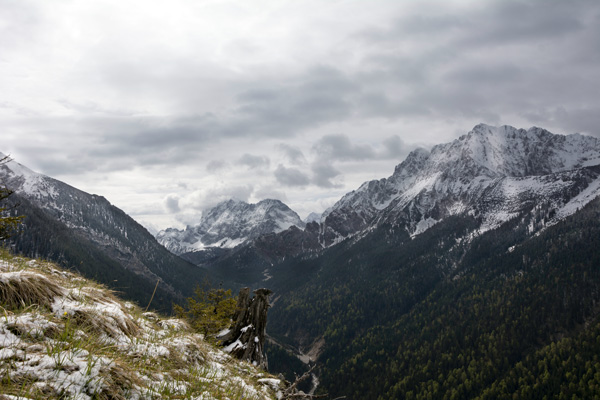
579, 201
78, 341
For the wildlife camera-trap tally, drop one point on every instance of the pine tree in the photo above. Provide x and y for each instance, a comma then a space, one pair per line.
8, 223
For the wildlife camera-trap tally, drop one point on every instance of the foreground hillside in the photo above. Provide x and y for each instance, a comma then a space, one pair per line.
65, 337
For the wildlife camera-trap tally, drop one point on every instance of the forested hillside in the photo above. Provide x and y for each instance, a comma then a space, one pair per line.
438, 317
131, 265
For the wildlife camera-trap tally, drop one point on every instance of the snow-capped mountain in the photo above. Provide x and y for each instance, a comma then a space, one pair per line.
78, 230
229, 224
494, 173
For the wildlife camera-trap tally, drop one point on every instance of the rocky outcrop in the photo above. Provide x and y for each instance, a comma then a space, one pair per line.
246, 338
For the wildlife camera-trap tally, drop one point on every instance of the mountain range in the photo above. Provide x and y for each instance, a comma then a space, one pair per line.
493, 174
470, 272
459, 276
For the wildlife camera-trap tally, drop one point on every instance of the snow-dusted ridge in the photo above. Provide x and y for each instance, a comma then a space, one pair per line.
494, 173
62, 336
229, 224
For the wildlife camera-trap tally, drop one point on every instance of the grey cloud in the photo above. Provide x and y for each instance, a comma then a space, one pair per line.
254, 162
323, 173
411, 26
201, 200
339, 147
216, 165
268, 192
291, 176
511, 21
379, 104
294, 155
171, 203
482, 62
578, 120
497, 23
483, 74
321, 94
393, 147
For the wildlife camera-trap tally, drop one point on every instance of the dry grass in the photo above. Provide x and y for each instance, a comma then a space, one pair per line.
110, 325
26, 288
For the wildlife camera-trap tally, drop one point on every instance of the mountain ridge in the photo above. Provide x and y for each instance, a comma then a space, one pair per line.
454, 175
86, 232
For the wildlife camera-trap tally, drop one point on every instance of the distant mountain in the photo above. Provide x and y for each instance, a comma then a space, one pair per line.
312, 217
230, 224
85, 232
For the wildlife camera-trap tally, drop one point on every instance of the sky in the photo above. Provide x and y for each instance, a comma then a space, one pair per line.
168, 107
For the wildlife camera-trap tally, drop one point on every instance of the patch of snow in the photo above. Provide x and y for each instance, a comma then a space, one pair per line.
579, 201
423, 225
233, 346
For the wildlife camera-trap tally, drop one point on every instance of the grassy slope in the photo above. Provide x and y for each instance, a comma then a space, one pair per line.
63, 336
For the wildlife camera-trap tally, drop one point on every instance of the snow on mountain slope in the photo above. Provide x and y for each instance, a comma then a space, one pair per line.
68, 204
229, 224
492, 172
93, 225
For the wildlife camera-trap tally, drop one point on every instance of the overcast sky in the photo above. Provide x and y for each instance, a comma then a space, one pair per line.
168, 107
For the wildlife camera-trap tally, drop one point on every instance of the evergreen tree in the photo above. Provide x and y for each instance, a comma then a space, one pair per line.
8, 222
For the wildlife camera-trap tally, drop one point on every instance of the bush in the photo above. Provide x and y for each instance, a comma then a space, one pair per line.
209, 311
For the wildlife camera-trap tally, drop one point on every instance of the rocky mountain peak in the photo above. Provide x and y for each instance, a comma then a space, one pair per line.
508, 151
489, 168
231, 223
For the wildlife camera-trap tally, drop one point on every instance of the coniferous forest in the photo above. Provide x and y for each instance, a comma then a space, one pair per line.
501, 316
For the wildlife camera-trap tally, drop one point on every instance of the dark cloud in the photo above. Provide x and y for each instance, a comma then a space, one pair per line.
254, 162
339, 147
291, 176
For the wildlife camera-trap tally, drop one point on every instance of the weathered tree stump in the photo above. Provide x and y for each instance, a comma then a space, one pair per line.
246, 338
